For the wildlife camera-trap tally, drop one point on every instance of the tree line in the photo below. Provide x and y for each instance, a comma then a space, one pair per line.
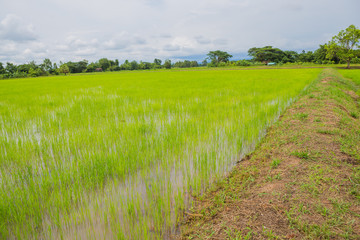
31, 69
343, 48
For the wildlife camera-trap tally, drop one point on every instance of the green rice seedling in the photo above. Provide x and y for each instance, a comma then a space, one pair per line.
354, 75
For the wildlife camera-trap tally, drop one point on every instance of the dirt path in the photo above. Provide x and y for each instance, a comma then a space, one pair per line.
302, 182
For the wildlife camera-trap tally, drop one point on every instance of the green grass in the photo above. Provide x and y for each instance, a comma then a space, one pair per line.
349, 140
301, 154
353, 74
302, 116
116, 155
354, 115
275, 163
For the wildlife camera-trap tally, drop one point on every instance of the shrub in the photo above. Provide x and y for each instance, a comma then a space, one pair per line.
243, 63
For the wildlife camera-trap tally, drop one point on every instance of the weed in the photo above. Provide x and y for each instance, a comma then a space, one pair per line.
268, 233
234, 234
354, 115
269, 178
311, 188
340, 206
303, 209
301, 154
355, 181
322, 210
278, 176
302, 116
275, 163
325, 131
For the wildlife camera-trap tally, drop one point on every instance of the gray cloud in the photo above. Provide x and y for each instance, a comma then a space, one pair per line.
8, 49
294, 6
171, 48
154, 3
202, 40
123, 41
15, 29
220, 41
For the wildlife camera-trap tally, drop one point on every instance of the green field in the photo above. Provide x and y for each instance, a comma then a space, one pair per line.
352, 74
118, 154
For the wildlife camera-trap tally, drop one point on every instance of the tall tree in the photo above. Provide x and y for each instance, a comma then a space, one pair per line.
266, 54
104, 63
167, 64
144, 65
290, 56
10, 68
47, 65
64, 69
219, 56
343, 45
320, 55
126, 65
24, 68
92, 67
306, 56
157, 61
134, 65
2, 69
77, 67
194, 64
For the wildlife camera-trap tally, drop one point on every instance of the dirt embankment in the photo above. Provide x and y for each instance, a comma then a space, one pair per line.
302, 182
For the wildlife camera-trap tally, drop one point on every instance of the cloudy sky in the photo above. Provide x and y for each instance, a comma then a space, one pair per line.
71, 30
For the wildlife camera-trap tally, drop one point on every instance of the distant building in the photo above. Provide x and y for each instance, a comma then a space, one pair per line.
98, 70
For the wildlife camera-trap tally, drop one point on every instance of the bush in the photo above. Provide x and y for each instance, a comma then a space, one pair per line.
355, 60
33, 73
243, 63
19, 75
211, 64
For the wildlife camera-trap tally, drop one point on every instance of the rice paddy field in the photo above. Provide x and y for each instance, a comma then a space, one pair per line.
353, 74
119, 155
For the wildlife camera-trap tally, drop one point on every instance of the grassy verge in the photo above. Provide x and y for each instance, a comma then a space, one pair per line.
303, 180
